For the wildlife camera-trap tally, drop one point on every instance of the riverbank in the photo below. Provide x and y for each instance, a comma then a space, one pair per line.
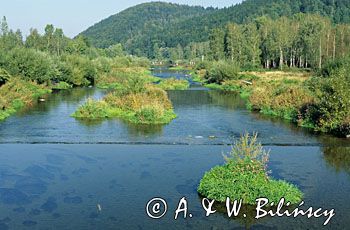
298, 96
17, 94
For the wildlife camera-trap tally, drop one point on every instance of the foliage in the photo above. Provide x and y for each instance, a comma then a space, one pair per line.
135, 102
156, 36
17, 93
331, 112
62, 86
4, 76
29, 64
221, 71
174, 84
244, 177
92, 109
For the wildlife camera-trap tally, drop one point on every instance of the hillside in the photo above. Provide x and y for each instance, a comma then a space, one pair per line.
145, 19
145, 27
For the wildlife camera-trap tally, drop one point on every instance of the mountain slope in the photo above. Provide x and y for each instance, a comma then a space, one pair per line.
157, 24
139, 20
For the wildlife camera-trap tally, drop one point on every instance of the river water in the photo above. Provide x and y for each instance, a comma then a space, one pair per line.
60, 173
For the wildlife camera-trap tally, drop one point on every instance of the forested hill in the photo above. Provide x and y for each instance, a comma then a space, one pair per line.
140, 20
146, 27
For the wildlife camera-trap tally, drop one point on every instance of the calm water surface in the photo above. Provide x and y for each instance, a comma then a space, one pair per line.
55, 170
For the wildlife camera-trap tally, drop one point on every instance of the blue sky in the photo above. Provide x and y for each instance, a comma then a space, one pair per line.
74, 16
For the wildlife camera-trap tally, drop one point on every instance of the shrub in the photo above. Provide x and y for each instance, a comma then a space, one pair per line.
92, 110
30, 64
4, 76
221, 71
77, 70
62, 85
244, 176
331, 111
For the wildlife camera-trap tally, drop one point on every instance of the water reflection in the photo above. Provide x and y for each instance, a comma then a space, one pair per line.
337, 158
139, 130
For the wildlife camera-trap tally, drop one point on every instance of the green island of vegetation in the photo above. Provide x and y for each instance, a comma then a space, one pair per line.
135, 102
174, 84
244, 176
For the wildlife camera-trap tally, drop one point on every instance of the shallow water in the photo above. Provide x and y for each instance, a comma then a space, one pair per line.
55, 170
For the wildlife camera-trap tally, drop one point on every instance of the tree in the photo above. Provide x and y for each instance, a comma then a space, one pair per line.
34, 40
216, 44
58, 37
233, 42
49, 30
251, 45
4, 27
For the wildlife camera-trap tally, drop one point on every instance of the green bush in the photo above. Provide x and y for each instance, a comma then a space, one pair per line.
77, 70
92, 110
330, 112
30, 64
221, 71
62, 85
4, 76
244, 176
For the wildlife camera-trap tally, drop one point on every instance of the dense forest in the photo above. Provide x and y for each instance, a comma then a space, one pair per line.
171, 27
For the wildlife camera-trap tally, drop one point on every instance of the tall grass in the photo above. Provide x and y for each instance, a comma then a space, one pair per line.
18, 93
136, 102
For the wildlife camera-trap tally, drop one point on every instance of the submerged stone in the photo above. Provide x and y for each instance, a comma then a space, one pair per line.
13, 196
39, 172
35, 212
145, 175
3, 226
50, 205
19, 210
56, 215
31, 186
64, 177
73, 200
29, 223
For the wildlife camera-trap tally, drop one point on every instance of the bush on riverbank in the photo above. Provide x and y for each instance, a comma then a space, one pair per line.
62, 86
136, 102
280, 100
331, 112
17, 93
244, 176
221, 71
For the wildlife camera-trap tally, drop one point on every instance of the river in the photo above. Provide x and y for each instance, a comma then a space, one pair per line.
57, 172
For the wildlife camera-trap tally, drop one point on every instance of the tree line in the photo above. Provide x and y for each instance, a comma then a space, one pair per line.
302, 41
52, 57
